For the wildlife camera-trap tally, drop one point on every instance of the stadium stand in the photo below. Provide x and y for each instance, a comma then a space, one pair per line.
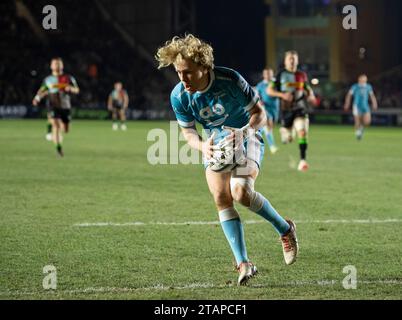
98, 55
92, 51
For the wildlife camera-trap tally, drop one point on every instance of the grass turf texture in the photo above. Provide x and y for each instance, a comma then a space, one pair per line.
105, 177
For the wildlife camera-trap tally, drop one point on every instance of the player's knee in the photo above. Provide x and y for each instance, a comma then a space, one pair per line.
241, 194
222, 198
242, 190
302, 133
286, 137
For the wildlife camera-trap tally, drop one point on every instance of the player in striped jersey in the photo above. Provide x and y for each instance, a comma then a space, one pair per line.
118, 103
292, 87
57, 87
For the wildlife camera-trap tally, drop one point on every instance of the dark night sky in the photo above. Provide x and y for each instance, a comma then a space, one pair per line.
235, 29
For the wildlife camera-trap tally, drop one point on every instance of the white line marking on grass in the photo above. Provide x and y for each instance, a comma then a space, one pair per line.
355, 221
157, 287
138, 223
197, 285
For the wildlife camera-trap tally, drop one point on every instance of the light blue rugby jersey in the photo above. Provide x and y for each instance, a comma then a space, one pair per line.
269, 102
361, 95
226, 101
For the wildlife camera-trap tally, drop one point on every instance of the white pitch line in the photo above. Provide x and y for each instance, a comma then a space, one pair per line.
193, 286
161, 223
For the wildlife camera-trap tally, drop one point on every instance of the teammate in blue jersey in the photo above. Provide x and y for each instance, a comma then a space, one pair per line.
271, 105
361, 91
216, 97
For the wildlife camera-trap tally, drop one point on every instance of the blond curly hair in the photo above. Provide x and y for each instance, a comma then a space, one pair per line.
188, 47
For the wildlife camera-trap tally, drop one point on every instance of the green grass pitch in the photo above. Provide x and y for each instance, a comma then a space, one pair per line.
348, 210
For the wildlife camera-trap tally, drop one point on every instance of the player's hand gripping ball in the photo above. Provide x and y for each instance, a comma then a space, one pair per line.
229, 152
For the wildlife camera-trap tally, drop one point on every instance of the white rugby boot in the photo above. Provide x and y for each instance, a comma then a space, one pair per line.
303, 166
246, 271
290, 245
273, 149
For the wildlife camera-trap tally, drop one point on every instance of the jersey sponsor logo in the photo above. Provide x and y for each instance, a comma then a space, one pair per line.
296, 85
208, 112
216, 110
58, 85
362, 91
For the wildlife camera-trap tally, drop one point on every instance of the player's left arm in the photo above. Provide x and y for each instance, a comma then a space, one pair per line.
373, 100
252, 104
311, 97
258, 117
72, 87
42, 92
125, 100
110, 102
310, 93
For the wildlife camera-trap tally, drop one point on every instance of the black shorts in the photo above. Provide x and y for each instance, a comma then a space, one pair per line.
116, 105
63, 114
116, 109
289, 116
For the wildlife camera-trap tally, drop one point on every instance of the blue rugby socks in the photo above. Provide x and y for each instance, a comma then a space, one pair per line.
233, 230
260, 205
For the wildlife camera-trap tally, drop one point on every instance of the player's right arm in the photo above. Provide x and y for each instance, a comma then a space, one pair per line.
195, 141
187, 123
42, 92
125, 100
273, 91
348, 99
110, 102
